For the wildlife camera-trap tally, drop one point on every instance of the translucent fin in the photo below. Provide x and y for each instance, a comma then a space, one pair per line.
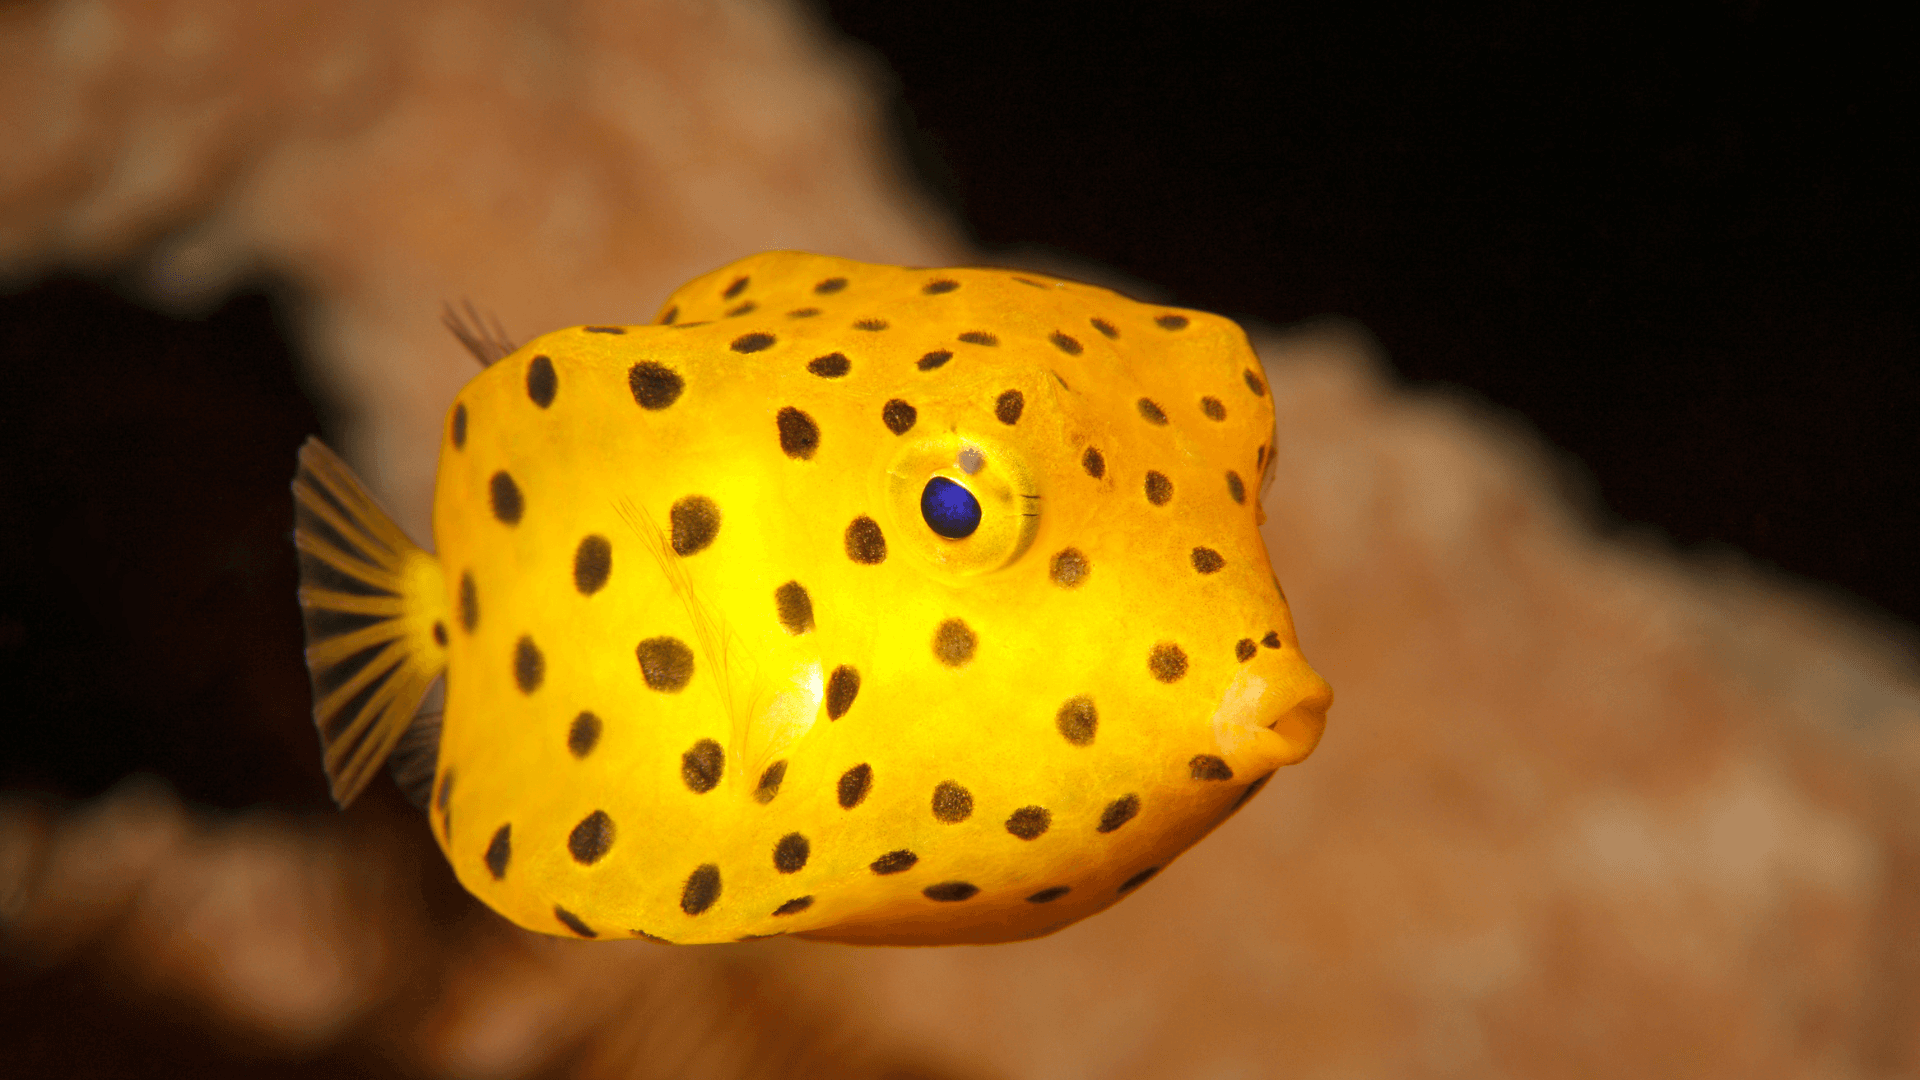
375, 609
483, 336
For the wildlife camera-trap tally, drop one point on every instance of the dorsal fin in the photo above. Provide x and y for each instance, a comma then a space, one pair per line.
482, 335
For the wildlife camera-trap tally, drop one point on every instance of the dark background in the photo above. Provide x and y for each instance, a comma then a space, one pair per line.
1681, 247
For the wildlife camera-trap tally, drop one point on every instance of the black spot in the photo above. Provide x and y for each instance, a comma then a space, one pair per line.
507, 504
854, 784
440, 633
1167, 661
1260, 458
1070, 568
1236, 488
1244, 649
1272, 640
672, 314
1252, 790
1095, 465
799, 435
694, 521
794, 906
1064, 343
701, 890
1172, 322
1138, 880
953, 643
898, 416
1029, 822
703, 766
979, 337
541, 381
933, 359
499, 850
935, 288
1118, 813
794, 606
746, 307
1048, 896
590, 840
1207, 561
894, 862
1159, 488
842, 686
865, 544
592, 562
604, 329
573, 922
1104, 327
949, 892
769, 784
803, 313
751, 343
1212, 407
831, 285
529, 667
460, 426
739, 286
870, 324
831, 366
654, 386
1209, 767
790, 854
1078, 720
951, 802
665, 663
1254, 384
1008, 405
583, 735
1152, 412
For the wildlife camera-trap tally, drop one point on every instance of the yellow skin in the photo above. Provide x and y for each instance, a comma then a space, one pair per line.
632, 833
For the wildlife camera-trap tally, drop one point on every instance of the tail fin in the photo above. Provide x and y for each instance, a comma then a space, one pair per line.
375, 608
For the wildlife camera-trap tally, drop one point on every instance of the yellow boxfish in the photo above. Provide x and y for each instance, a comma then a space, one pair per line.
865, 603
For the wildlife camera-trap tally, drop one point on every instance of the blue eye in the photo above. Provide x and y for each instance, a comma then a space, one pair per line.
950, 509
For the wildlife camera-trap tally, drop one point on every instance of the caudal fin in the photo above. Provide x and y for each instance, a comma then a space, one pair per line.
375, 609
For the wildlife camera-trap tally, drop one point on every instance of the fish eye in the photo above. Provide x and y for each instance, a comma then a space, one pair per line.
949, 508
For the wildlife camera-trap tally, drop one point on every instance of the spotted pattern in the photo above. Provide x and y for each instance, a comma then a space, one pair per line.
752, 343
469, 602
592, 564
951, 802
739, 286
583, 734
1138, 880
1065, 344
440, 634
1244, 649
542, 383
654, 386
1236, 489
799, 435
770, 781
1159, 488
803, 313
831, 366
942, 285
693, 522
701, 890
1207, 561
794, 608
871, 324
1078, 720
790, 854
529, 666
1118, 813
1007, 407
702, 766
1094, 463
1029, 822
1213, 407
865, 542
665, 663
1209, 767
1254, 384
1048, 896
1069, 568
460, 427
953, 643
499, 851
894, 862
590, 840
979, 337
794, 906
830, 285
854, 784
949, 892
1104, 327
898, 416
1151, 411
842, 687
573, 922
1168, 662
1272, 640
934, 359
504, 494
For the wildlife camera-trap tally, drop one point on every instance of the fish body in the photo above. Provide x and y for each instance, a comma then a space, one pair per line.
867, 603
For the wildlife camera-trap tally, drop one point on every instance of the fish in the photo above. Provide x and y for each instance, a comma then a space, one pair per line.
863, 603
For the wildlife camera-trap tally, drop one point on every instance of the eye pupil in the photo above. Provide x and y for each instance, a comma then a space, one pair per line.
950, 509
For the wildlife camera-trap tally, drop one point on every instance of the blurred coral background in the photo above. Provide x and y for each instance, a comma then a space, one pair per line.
1591, 803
